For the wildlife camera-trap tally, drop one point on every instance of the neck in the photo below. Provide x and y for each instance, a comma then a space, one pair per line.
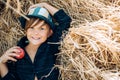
31, 50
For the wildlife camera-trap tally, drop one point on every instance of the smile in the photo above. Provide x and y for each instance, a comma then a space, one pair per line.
35, 38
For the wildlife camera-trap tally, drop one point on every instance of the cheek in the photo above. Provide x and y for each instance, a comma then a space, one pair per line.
28, 34
29, 31
44, 34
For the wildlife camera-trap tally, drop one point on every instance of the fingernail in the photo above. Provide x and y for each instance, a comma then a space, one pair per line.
19, 51
18, 55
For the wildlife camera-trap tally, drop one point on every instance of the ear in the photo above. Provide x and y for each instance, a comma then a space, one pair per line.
50, 33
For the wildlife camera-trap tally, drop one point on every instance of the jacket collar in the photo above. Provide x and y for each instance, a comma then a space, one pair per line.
23, 42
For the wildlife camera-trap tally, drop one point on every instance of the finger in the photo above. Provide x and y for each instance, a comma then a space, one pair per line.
8, 58
14, 47
33, 6
13, 50
12, 59
13, 55
36, 5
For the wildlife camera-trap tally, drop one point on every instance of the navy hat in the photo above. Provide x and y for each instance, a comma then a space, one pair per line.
38, 12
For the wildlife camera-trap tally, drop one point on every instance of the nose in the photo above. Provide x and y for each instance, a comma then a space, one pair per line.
36, 32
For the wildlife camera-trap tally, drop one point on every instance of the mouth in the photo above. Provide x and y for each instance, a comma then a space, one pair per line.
36, 38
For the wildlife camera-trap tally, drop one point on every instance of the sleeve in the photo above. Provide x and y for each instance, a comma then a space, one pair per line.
12, 74
63, 23
8, 76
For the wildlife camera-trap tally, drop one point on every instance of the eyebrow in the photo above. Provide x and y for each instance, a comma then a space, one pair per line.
42, 23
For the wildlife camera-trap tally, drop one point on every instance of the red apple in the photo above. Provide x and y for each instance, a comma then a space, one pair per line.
21, 54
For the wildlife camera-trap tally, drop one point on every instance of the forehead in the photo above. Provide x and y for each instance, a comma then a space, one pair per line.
35, 21
39, 22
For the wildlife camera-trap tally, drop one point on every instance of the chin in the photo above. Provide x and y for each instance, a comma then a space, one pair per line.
35, 43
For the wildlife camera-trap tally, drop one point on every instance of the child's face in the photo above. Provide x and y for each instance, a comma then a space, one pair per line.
38, 33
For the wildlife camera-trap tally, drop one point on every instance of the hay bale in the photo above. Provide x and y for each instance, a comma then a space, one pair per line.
14, 8
90, 50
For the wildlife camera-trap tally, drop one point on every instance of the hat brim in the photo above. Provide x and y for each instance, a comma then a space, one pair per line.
23, 20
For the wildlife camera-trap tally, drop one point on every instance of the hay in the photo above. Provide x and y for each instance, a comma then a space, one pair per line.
90, 50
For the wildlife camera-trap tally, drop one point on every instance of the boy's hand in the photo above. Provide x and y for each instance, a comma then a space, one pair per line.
52, 10
10, 54
37, 5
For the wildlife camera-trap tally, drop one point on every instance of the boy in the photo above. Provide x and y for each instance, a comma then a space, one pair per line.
39, 58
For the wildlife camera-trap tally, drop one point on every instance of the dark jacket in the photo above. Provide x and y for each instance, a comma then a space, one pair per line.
43, 65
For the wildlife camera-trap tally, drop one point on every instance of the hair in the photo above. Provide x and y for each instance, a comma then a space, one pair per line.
32, 22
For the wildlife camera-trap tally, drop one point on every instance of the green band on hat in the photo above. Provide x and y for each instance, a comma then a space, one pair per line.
36, 11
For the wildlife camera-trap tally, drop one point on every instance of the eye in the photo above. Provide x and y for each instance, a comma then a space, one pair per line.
31, 28
42, 28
